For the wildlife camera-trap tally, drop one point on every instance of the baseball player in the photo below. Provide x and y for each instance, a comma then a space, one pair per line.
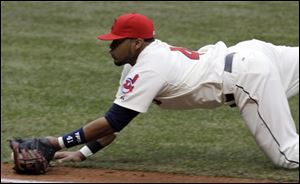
255, 76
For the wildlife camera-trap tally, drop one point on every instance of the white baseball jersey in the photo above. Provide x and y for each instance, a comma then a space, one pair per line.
174, 77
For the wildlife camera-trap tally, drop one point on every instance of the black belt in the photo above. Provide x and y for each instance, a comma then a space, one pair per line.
228, 68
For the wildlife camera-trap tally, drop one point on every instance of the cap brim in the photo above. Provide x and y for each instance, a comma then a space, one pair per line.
110, 36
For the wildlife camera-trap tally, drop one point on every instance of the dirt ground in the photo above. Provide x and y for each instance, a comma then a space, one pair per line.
85, 175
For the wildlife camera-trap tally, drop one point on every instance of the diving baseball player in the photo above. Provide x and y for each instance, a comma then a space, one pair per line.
257, 75
254, 76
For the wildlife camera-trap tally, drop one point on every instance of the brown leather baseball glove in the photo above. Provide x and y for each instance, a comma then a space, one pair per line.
31, 156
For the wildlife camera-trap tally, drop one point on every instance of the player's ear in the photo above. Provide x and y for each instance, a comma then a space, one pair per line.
139, 43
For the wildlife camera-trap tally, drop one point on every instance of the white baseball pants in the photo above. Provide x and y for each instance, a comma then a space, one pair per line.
263, 77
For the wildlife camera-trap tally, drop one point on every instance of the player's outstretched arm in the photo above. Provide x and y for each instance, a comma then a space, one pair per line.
115, 120
92, 131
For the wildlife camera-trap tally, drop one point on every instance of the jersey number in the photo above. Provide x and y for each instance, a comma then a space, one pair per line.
188, 53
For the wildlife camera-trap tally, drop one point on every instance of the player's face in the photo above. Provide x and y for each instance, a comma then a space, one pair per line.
124, 51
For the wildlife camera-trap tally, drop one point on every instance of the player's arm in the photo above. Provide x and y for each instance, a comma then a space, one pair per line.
97, 134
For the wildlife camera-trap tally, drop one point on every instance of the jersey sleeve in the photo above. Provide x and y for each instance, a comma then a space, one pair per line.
138, 90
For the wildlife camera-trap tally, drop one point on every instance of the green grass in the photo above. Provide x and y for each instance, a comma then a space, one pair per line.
56, 76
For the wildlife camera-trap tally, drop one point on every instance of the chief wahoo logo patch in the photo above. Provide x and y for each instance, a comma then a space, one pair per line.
128, 85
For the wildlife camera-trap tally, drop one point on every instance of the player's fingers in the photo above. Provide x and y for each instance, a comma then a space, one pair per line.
59, 155
63, 156
67, 158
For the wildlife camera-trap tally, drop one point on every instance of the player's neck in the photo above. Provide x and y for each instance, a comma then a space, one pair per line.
139, 51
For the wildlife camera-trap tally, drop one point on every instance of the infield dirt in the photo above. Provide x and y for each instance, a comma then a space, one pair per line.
85, 175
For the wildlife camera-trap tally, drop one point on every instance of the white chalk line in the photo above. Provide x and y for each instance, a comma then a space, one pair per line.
7, 180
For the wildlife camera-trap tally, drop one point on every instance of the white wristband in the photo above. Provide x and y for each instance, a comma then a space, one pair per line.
61, 142
86, 151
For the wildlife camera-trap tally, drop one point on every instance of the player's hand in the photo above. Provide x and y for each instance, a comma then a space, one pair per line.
69, 156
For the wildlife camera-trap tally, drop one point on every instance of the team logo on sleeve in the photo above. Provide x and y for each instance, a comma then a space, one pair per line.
128, 85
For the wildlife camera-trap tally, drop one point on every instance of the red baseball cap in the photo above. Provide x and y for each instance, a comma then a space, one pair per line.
131, 25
